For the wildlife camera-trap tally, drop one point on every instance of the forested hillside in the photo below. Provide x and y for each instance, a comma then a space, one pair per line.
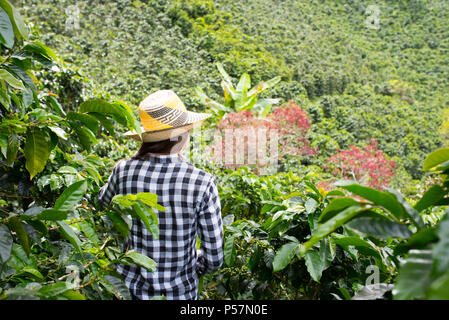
356, 82
358, 91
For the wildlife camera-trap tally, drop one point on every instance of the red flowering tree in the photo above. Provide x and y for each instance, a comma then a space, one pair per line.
254, 141
292, 123
368, 166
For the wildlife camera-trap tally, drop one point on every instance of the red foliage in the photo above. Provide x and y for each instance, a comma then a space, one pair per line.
293, 124
290, 118
368, 166
290, 123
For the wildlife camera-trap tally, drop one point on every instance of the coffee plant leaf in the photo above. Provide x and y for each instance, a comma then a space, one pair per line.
19, 26
71, 196
37, 150
6, 241
284, 256
52, 215
381, 227
435, 159
432, 196
68, 233
414, 275
335, 206
441, 249
141, 260
6, 30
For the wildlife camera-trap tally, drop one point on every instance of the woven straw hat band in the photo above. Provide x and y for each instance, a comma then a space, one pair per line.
162, 110
163, 114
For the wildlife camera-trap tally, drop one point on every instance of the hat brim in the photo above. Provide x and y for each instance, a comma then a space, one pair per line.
166, 134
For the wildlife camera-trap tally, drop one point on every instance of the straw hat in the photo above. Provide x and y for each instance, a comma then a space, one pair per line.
164, 116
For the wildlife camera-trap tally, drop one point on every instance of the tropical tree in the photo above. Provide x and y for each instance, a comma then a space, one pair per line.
240, 97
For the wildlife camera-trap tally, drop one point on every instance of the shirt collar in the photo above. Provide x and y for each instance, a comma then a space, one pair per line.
165, 158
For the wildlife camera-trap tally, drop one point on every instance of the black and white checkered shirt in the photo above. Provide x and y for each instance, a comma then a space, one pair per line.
191, 199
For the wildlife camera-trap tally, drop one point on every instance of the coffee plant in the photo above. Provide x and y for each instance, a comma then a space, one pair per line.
56, 241
288, 235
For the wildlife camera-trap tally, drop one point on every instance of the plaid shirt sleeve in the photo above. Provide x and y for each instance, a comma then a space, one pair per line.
110, 189
210, 229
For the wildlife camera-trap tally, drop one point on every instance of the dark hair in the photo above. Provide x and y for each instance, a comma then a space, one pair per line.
169, 146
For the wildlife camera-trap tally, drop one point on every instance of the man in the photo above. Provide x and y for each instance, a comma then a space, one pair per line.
189, 195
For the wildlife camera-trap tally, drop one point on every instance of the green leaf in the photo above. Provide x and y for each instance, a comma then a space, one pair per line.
86, 119
436, 158
116, 286
12, 149
37, 150
335, 193
33, 272
432, 196
224, 74
105, 108
39, 48
73, 295
128, 113
441, 249
361, 245
379, 226
209, 102
6, 241
16, 225
384, 199
59, 132
84, 134
5, 99
119, 224
89, 232
418, 240
229, 93
315, 266
68, 233
332, 224
243, 85
409, 211
414, 275
141, 260
20, 29
56, 106
71, 196
54, 289
52, 215
310, 205
229, 251
25, 77
6, 30
284, 255
11, 80
264, 85
327, 251
147, 218
439, 290
263, 106
150, 199
335, 206
39, 226
105, 122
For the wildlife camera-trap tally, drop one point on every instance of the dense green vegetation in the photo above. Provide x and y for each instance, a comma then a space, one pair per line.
357, 83
290, 235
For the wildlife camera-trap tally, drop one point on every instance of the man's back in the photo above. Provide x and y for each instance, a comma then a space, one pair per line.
192, 205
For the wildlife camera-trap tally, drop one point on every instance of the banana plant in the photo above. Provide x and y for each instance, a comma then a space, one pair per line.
240, 97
